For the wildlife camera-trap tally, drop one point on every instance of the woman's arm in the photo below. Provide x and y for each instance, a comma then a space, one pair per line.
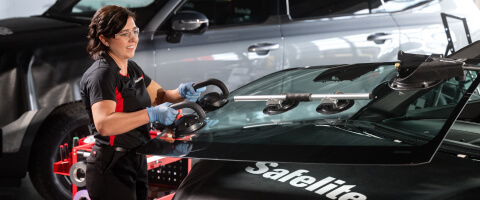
108, 122
158, 95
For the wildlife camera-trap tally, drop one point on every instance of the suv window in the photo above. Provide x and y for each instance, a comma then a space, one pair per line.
94, 5
234, 12
380, 6
82, 11
315, 8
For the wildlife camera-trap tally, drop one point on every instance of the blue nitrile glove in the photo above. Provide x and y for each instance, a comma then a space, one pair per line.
180, 149
162, 113
187, 92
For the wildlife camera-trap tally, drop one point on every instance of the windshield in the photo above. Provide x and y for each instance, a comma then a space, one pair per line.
396, 119
394, 126
245, 114
83, 10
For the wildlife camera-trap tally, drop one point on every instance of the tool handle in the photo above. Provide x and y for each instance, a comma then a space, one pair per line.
67, 151
215, 82
61, 152
191, 105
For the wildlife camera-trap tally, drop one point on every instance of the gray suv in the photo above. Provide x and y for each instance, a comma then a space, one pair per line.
43, 57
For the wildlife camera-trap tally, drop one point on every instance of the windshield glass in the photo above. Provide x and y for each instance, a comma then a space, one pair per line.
393, 122
250, 113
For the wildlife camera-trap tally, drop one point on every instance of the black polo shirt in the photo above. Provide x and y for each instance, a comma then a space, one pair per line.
103, 81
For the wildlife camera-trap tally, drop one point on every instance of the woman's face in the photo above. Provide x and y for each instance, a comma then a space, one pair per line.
125, 41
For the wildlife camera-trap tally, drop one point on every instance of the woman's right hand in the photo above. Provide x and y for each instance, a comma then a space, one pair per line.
162, 113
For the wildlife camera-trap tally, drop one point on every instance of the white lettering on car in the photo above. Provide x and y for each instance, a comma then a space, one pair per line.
331, 187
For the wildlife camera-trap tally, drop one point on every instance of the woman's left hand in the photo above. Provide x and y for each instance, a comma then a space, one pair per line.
187, 91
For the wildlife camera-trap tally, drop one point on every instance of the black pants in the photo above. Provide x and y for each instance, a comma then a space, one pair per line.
116, 175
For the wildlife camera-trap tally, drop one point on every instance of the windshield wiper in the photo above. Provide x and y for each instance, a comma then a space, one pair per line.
460, 149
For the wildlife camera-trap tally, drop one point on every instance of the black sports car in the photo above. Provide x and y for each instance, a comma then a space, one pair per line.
363, 131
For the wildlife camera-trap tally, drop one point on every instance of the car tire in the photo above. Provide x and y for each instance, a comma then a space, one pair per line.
60, 127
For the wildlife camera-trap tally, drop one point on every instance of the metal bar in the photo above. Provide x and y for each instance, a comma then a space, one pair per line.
450, 46
471, 67
467, 32
447, 31
259, 97
352, 96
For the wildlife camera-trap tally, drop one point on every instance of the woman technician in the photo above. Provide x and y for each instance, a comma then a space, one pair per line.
118, 97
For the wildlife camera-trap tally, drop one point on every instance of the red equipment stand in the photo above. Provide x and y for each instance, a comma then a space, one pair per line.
164, 173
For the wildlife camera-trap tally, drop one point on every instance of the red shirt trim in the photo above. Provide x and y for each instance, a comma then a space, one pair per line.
118, 108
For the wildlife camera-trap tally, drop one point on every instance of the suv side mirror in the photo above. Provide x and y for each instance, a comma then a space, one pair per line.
187, 22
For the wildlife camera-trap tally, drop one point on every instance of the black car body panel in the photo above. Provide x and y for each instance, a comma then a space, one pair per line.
446, 177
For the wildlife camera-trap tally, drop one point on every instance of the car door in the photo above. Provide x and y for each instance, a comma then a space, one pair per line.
422, 30
337, 32
222, 51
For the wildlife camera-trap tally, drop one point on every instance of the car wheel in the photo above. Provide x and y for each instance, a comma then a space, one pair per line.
60, 127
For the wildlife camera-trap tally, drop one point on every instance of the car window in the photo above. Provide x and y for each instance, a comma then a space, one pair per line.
299, 9
94, 5
315, 8
230, 13
380, 6
445, 94
83, 10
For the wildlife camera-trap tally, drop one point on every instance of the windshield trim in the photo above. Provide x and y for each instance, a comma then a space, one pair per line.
435, 144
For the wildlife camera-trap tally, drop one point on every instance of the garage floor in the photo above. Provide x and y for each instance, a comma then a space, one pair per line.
26, 191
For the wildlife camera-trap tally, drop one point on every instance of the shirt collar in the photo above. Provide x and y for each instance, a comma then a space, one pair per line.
111, 62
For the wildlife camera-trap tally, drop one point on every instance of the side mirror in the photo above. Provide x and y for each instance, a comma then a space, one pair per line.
187, 22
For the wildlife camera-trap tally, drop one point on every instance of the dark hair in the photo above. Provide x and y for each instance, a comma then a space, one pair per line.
107, 21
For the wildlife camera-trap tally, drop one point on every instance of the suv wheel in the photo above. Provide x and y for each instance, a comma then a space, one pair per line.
60, 127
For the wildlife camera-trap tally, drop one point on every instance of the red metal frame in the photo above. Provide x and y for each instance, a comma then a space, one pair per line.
63, 167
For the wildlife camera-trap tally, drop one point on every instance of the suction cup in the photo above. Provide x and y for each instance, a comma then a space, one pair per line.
213, 100
332, 108
187, 125
396, 84
279, 109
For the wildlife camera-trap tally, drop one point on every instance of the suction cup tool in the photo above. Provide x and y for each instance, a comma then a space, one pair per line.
333, 106
188, 124
213, 100
279, 108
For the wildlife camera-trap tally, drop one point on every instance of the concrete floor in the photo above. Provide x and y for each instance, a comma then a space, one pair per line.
25, 192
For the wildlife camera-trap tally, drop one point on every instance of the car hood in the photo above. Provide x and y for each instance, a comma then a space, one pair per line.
440, 179
16, 33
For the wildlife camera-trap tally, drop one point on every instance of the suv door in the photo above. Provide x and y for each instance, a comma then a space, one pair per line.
222, 51
421, 27
337, 32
